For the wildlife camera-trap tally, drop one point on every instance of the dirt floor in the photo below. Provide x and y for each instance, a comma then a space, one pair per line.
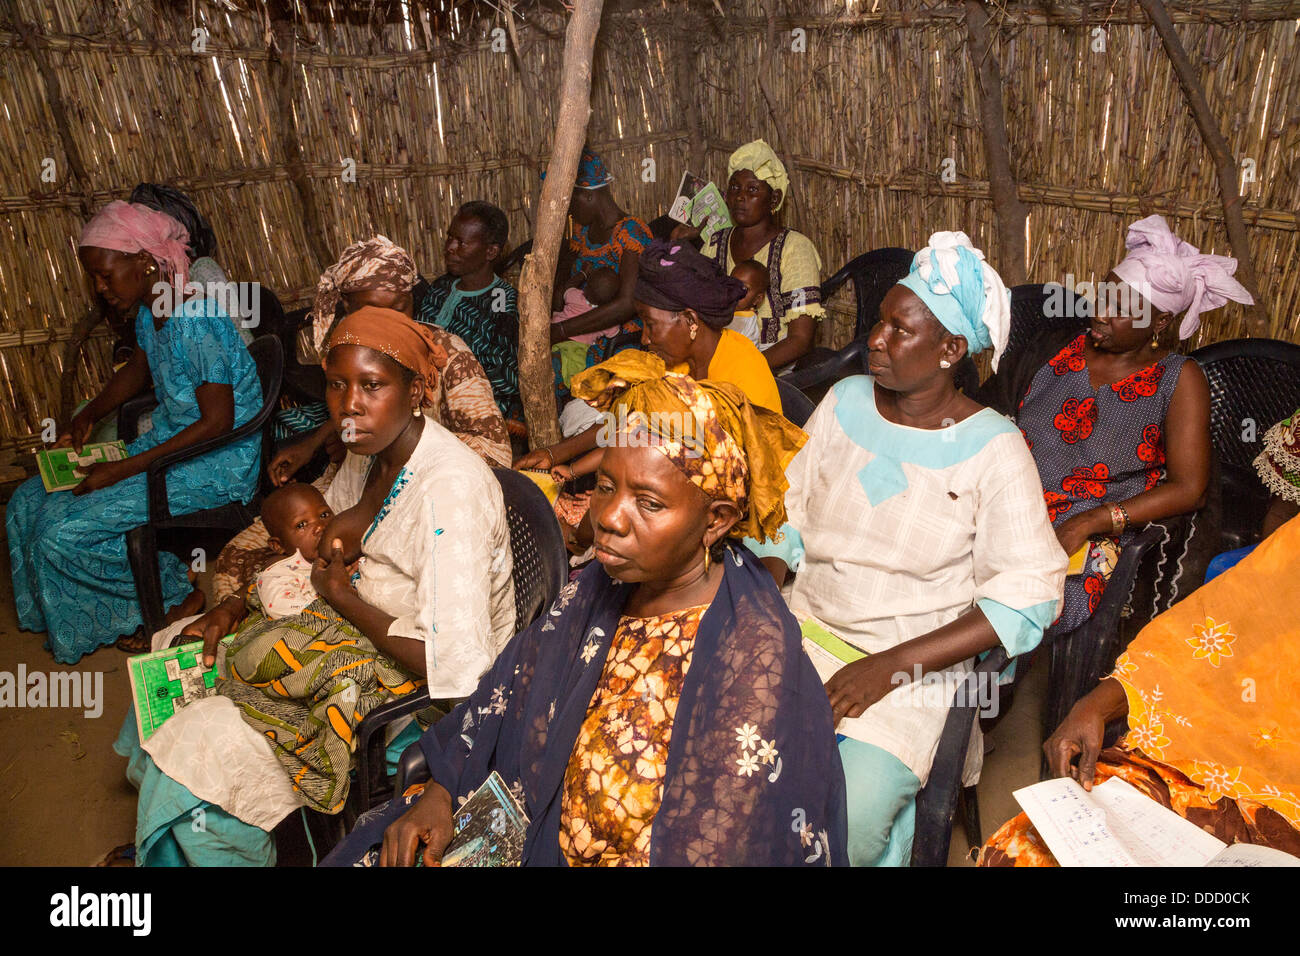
65, 800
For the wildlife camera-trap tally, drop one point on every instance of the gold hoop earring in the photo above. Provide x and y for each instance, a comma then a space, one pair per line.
706, 558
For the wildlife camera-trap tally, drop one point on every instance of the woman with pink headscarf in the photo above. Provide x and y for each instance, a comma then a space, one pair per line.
71, 576
1118, 422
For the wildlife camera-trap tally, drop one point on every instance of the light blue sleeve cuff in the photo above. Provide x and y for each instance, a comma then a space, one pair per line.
1018, 630
789, 549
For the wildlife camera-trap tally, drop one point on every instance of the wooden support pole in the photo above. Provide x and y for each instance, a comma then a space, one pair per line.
1225, 166
538, 275
1010, 212
281, 70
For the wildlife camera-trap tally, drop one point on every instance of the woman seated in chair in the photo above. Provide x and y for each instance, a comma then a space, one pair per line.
1118, 424
684, 305
917, 534
663, 712
423, 520
1208, 693
475, 304
378, 273
71, 575
373, 272
757, 186
609, 239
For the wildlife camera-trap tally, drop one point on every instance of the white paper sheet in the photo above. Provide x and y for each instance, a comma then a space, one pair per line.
1114, 825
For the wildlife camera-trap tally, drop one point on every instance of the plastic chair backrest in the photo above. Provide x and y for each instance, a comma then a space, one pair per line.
1035, 306
873, 273
267, 314
268, 356
541, 561
1254, 383
795, 405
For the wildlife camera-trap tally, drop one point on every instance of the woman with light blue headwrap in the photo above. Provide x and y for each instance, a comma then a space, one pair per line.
917, 528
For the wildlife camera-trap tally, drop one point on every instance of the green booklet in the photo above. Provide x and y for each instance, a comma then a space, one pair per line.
827, 652
63, 468
162, 682
700, 203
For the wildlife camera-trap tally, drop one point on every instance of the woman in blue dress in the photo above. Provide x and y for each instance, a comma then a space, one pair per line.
67, 550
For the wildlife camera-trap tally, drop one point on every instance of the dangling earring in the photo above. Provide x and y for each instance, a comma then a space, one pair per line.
693, 331
415, 412
944, 363
706, 559
151, 270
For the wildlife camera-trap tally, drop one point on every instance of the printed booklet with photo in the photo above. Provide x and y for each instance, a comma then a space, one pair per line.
700, 203
162, 682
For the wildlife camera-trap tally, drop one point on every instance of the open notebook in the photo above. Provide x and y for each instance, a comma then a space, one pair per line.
1117, 825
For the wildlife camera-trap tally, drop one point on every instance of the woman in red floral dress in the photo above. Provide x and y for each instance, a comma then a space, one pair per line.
1117, 422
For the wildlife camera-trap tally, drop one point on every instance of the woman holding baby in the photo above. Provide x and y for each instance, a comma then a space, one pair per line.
410, 580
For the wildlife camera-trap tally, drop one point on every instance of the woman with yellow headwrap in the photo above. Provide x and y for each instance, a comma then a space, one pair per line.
757, 187
663, 712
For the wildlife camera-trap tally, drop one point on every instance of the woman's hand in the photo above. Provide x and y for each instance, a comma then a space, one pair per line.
334, 447
1074, 532
215, 625
76, 432
539, 459
288, 461
102, 474
428, 822
856, 686
563, 473
329, 575
1079, 737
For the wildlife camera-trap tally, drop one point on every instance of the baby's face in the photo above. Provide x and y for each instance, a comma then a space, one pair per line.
296, 520
756, 284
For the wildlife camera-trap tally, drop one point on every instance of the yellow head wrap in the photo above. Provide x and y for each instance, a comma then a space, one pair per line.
760, 159
746, 448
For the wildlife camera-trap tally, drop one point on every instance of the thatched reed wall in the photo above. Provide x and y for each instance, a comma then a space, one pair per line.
257, 128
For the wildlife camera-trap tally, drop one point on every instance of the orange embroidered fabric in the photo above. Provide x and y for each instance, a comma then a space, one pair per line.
1214, 721
615, 778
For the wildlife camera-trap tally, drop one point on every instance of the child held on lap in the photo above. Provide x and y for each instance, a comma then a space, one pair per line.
295, 516
755, 277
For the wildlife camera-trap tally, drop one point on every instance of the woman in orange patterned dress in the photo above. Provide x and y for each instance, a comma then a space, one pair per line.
663, 711
1208, 689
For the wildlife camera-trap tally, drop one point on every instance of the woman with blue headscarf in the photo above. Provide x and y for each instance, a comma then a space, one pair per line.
916, 525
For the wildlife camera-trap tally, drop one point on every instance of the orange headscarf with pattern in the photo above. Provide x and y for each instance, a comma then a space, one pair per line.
406, 342
732, 450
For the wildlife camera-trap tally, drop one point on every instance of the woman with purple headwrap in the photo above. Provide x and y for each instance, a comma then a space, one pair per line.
684, 304
1118, 423
71, 576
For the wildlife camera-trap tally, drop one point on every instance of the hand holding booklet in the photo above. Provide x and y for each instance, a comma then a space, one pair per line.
1117, 825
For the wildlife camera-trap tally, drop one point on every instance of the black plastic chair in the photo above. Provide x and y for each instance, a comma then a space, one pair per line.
1254, 383
228, 519
1036, 307
936, 803
541, 566
514, 258
1078, 659
795, 405
873, 273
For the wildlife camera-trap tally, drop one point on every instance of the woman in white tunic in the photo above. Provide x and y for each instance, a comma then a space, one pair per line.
424, 521
918, 530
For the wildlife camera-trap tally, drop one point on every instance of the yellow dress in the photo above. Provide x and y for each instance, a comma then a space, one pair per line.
737, 360
615, 778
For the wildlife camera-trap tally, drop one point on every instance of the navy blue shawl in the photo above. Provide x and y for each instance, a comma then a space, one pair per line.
753, 775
